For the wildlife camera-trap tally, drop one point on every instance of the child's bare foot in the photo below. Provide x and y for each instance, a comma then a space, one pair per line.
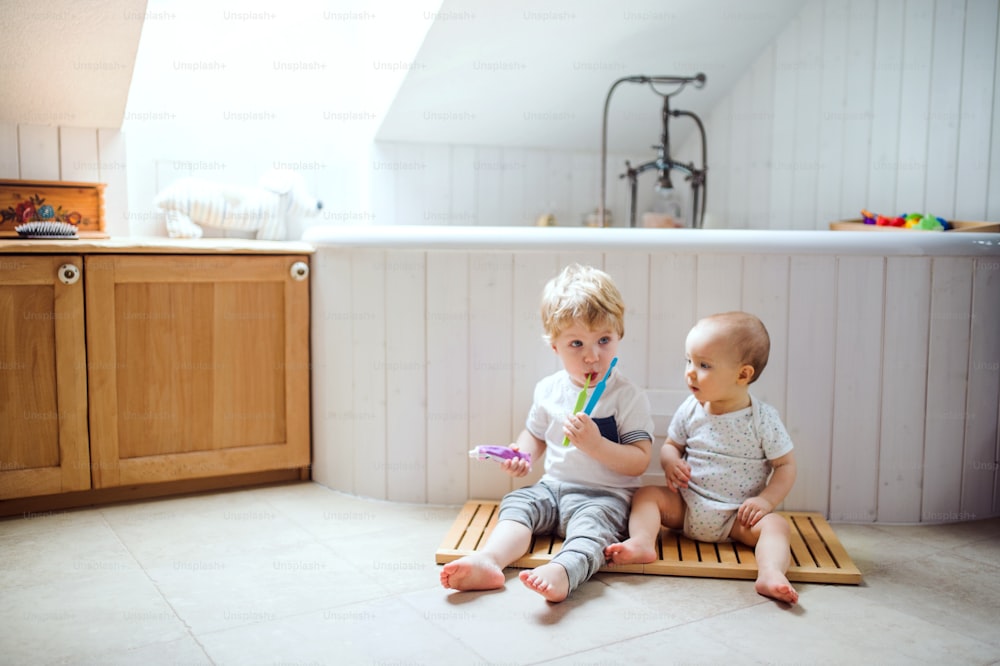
630, 551
472, 573
549, 580
774, 584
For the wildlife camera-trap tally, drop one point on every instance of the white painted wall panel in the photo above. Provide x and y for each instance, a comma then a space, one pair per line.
368, 357
904, 388
914, 109
857, 388
8, 151
717, 284
978, 80
112, 172
447, 321
947, 382
759, 171
335, 419
945, 105
858, 110
405, 376
981, 455
78, 155
832, 119
808, 117
490, 360
886, 89
38, 149
462, 189
811, 348
786, 56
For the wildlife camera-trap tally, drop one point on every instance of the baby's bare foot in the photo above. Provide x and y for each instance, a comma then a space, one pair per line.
549, 580
774, 584
472, 573
630, 551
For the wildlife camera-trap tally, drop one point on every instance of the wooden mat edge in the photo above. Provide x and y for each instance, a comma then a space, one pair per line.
845, 573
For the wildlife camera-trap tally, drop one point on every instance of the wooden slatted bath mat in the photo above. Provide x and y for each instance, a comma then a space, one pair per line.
817, 554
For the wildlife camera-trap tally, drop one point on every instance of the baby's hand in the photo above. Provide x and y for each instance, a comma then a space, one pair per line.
752, 510
516, 467
582, 431
678, 473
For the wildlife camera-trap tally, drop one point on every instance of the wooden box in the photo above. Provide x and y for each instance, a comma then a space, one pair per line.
87, 199
859, 225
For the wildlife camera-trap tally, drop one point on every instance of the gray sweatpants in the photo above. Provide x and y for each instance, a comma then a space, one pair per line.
587, 518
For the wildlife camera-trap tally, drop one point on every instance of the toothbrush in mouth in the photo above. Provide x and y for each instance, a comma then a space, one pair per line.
579, 403
599, 389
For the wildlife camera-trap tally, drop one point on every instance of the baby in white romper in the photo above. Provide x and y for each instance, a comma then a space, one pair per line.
728, 460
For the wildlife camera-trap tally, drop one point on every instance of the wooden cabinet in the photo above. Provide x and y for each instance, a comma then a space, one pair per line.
43, 379
150, 369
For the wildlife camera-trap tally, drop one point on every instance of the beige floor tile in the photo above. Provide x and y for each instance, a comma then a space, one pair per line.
944, 589
265, 585
84, 552
74, 620
27, 525
595, 614
205, 528
185, 651
837, 625
326, 514
381, 632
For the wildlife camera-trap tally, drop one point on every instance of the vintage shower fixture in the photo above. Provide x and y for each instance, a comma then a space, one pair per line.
663, 163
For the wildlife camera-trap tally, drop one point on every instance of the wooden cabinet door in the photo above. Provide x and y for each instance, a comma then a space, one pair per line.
43, 377
199, 366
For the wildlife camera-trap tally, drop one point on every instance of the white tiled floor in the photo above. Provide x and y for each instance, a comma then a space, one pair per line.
299, 574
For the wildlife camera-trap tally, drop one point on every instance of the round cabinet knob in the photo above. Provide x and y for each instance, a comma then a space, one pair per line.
300, 270
68, 274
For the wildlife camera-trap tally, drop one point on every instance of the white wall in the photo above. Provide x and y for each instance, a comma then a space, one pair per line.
45, 152
413, 183
892, 105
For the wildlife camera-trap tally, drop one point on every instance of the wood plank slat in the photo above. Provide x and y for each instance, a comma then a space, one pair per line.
818, 555
800, 552
816, 546
459, 527
477, 526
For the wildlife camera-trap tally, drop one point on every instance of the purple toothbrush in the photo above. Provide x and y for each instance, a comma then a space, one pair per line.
498, 453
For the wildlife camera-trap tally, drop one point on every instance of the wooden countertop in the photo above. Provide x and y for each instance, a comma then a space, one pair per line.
153, 245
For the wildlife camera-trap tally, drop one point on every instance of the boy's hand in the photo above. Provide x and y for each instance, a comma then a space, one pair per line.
582, 431
516, 467
677, 472
752, 510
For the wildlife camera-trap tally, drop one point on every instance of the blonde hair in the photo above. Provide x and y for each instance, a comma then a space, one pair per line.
582, 294
748, 337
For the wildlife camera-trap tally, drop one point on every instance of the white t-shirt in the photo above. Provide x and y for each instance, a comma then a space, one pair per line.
729, 454
622, 414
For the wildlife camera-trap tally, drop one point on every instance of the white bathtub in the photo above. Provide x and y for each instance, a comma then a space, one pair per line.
885, 358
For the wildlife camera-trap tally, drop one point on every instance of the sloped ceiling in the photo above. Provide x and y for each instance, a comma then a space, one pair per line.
68, 63
518, 73
528, 73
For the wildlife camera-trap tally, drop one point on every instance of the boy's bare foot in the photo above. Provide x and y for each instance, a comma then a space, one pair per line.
630, 551
472, 573
549, 580
774, 584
